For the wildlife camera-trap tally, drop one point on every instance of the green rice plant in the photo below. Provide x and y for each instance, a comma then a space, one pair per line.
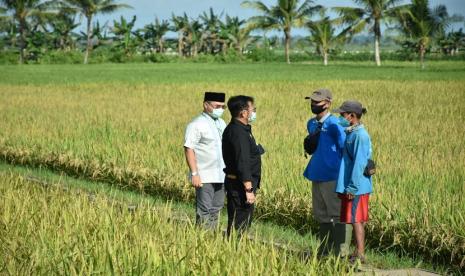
130, 133
46, 231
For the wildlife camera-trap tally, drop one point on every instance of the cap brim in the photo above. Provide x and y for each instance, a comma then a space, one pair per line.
316, 99
338, 110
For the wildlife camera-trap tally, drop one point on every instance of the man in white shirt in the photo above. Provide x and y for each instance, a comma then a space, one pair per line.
202, 147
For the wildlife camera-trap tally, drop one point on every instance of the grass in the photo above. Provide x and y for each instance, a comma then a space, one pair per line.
48, 231
224, 73
124, 124
273, 237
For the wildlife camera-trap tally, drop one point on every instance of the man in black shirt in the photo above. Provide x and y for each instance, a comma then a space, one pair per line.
242, 159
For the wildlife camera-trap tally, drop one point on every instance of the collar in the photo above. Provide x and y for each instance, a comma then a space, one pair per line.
208, 116
324, 118
354, 128
239, 123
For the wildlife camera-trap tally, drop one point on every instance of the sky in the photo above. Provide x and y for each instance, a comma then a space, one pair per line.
147, 10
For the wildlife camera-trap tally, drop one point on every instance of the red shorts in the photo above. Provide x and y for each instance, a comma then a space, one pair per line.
355, 210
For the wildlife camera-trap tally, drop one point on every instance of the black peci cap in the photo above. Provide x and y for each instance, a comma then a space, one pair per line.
214, 97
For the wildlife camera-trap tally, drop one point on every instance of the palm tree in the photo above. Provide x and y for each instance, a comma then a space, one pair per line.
89, 9
180, 25
371, 13
421, 24
285, 15
22, 11
323, 34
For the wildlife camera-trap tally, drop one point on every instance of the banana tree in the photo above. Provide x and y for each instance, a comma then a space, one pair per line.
194, 36
211, 28
154, 33
99, 35
22, 11
236, 35
181, 26
421, 24
124, 34
324, 36
62, 26
451, 43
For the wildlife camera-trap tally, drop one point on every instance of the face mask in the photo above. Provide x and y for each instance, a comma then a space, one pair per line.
217, 113
343, 122
317, 109
253, 117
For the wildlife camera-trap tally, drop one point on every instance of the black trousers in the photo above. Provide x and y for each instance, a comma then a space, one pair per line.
239, 211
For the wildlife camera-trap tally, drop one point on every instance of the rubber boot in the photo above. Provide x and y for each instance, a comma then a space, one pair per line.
341, 237
324, 235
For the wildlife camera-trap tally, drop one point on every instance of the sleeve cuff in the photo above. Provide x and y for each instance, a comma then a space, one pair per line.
189, 145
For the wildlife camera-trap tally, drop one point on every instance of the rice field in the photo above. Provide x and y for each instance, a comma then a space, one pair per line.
124, 124
47, 231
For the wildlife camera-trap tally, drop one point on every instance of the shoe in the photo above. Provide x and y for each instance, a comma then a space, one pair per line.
354, 259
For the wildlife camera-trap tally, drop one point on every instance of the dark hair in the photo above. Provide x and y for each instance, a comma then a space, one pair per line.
359, 116
238, 103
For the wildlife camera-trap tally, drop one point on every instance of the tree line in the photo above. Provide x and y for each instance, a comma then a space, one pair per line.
30, 26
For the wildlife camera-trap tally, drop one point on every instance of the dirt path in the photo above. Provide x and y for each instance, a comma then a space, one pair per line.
394, 272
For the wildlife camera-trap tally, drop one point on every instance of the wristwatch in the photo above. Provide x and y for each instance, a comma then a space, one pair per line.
194, 173
249, 190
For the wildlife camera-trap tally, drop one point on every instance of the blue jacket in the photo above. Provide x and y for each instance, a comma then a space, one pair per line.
325, 162
357, 151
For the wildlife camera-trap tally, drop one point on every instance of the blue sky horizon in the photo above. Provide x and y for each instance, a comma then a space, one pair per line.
147, 10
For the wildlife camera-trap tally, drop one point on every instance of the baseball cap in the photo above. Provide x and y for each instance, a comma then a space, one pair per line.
350, 107
321, 94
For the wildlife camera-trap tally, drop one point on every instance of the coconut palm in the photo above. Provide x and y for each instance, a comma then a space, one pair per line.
323, 34
421, 23
89, 9
22, 10
180, 25
285, 15
371, 14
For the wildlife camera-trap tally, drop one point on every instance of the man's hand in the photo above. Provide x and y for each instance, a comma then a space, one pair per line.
196, 182
350, 196
250, 197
